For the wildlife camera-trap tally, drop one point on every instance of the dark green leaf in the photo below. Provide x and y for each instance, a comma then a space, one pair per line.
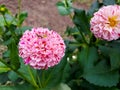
104, 49
109, 2
87, 57
113, 88
115, 59
6, 54
74, 32
10, 19
3, 78
12, 76
57, 74
14, 58
21, 30
81, 20
99, 74
102, 75
113, 53
7, 42
2, 29
70, 48
94, 7
24, 86
22, 17
28, 72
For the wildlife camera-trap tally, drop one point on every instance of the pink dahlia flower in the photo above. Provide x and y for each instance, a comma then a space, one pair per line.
106, 23
41, 48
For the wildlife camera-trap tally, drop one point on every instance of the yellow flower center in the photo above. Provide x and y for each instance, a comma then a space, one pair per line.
112, 21
44, 36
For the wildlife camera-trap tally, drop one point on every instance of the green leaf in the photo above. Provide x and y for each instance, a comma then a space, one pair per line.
55, 75
24, 86
113, 53
2, 29
81, 20
1, 21
87, 57
113, 88
115, 59
10, 19
109, 2
105, 50
74, 32
12, 76
14, 58
94, 7
6, 54
4, 68
22, 17
102, 75
28, 72
97, 72
3, 78
21, 30
70, 48
64, 8
7, 42
62, 86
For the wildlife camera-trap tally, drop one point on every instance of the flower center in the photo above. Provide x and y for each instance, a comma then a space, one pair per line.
42, 36
112, 21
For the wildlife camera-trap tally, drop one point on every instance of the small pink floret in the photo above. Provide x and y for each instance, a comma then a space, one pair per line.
41, 48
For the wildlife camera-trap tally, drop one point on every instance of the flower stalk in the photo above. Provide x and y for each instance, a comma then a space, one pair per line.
19, 73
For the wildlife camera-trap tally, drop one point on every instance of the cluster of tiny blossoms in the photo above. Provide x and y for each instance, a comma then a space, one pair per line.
41, 48
106, 23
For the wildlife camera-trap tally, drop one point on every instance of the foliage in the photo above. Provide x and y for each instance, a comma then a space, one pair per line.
89, 63
98, 60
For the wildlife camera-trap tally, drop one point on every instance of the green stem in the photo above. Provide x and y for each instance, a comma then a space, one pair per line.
13, 35
8, 27
19, 11
83, 37
66, 4
118, 1
5, 20
43, 78
19, 8
32, 77
97, 41
70, 15
39, 81
19, 73
77, 44
49, 76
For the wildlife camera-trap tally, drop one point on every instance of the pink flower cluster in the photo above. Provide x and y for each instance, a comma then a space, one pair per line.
41, 48
106, 23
